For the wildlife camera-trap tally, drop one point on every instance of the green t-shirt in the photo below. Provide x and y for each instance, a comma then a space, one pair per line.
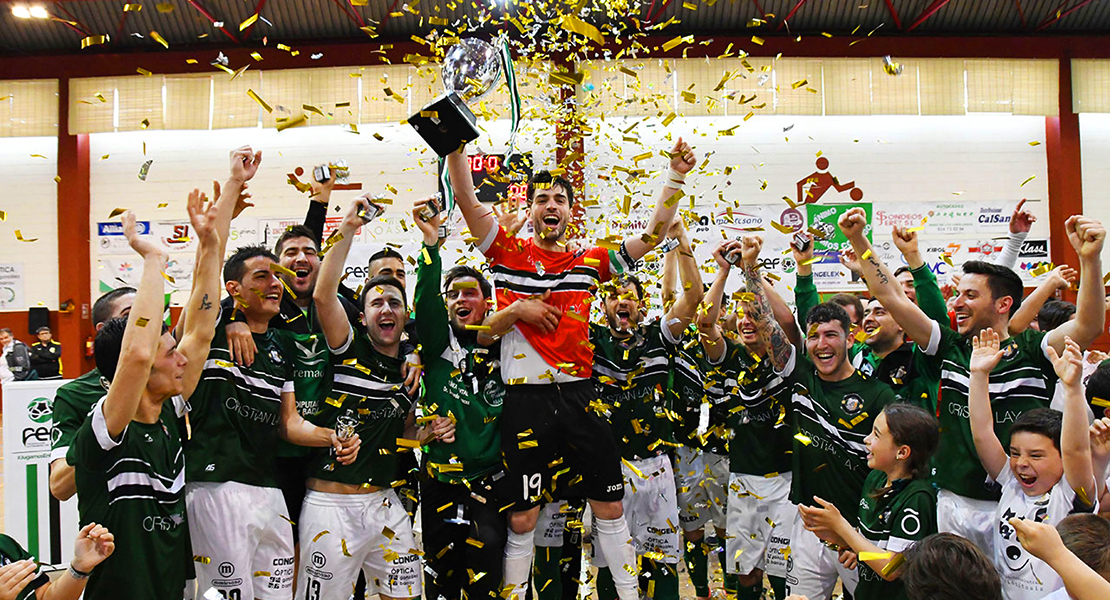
903, 516
311, 376
11, 551
236, 411
834, 418
630, 375
72, 403
697, 398
462, 381
759, 412
135, 486
1022, 381
369, 389
902, 371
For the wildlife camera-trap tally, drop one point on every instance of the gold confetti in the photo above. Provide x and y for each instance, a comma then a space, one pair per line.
1099, 402
201, 559
164, 7
803, 438
895, 562
1031, 178
254, 96
1034, 143
343, 542
94, 40
320, 535
19, 236
574, 24
261, 573
248, 22
282, 125
154, 35
132, 7
758, 41
798, 84
143, 72
865, 556
141, 322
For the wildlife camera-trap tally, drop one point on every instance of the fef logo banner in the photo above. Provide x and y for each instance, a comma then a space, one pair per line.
828, 239
43, 525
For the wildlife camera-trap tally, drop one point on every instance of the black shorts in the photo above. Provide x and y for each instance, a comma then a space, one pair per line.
551, 438
464, 536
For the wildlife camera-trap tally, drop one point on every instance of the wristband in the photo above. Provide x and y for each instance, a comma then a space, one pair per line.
74, 573
675, 180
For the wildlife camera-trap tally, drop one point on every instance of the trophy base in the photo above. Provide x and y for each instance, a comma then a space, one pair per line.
446, 124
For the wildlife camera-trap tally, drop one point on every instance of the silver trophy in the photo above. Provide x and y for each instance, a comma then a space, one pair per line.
471, 69
345, 425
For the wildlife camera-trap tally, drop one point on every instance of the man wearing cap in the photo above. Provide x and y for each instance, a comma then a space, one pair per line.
46, 355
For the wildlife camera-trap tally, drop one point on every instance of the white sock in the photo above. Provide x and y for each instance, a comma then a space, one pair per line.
519, 549
615, 544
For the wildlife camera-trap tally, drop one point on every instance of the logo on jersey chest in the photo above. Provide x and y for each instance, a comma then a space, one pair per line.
852, 404
275, 356
1010, 350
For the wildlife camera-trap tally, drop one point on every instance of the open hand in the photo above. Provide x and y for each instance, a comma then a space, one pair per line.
1022, 220
145, 246
850, 261
14, 577
1069, 365
244, 163
1063, 277
537, 312
509, 215
985, 351
203, 218
412, 369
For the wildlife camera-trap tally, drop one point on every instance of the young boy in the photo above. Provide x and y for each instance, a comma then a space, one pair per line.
1050, 472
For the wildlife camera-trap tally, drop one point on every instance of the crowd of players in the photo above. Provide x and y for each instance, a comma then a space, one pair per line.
277, 444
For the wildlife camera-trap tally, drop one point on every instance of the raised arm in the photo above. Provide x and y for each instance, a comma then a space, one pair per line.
201, 313
479, 219
778, 346
783, 315
681, 312
1075, 440
318, 204
333, 319
881, 283
709, 326
1086, 236
666, 205
805, 292
1060, 278
1020, 224
1043, 541
140, 338
985, 355
929, 297
670, 274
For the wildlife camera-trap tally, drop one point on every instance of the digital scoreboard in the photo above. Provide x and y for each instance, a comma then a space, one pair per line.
496, 179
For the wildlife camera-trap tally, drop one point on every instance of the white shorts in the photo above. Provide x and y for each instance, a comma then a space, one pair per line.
651, 510
701, 478
760, 517
812, 567
342, 533
243, 544
550, 524
965, 517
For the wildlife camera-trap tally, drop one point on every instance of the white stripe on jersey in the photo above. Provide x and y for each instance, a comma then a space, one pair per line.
996, 387
143, 479
660, 362
148, 465
565, 277
817, 413
366, 384
238, 375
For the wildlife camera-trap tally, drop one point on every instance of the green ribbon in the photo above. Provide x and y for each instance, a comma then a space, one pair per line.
514, 94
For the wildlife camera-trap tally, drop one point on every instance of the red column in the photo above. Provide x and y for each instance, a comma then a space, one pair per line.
1065, 185
74, 274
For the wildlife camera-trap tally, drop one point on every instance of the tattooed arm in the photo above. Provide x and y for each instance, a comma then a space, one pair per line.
759, 308
882, 285
202, 308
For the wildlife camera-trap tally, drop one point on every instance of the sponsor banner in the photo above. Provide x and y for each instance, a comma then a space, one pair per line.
11, 286
824, 219
32, 516
110, 238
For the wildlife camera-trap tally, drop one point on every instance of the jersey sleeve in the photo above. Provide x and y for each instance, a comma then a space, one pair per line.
805, 298
495, 244
941, 342
913, 521
431, 313
67, 420
93, 445
929, 297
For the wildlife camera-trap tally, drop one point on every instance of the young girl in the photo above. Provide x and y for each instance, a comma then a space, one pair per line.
898, 507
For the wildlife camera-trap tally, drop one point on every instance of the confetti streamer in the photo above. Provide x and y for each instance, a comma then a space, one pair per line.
154, 35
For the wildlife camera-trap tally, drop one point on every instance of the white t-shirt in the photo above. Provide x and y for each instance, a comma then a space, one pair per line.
1060, 594
1025, 577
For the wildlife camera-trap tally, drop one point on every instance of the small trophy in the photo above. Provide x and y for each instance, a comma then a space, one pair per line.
345, 425
322, 173
471, 69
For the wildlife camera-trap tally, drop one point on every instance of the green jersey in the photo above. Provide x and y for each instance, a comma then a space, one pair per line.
369, 392
1023, 380
832, 418
72, 403
630, 375
701, 415
11, 551
894, 521
902, 371
311, 375
135, 486
462, 381
236, 411
759, 412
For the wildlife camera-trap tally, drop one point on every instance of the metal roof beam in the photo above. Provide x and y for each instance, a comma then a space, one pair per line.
893, 14
651, 18
204, 11
1021, 13
1061, 15
928, 12
791, 13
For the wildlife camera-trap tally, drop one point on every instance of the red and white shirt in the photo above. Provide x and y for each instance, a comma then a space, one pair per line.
522, 270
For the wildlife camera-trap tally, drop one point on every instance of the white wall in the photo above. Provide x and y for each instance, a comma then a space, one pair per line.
907, 167
1094, 140
30, 199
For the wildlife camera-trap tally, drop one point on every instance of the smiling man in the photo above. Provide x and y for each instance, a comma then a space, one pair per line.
547, 414
1023, 380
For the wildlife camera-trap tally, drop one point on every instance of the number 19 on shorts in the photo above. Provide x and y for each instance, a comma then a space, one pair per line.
532, 482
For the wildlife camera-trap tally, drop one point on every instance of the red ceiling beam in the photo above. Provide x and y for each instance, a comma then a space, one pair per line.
204, 11
352, 14
388, 14
652, 18
893, 14
1021, 13
73, 23
928, 12
762, 13
1061, 15
791, 13
257, 11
